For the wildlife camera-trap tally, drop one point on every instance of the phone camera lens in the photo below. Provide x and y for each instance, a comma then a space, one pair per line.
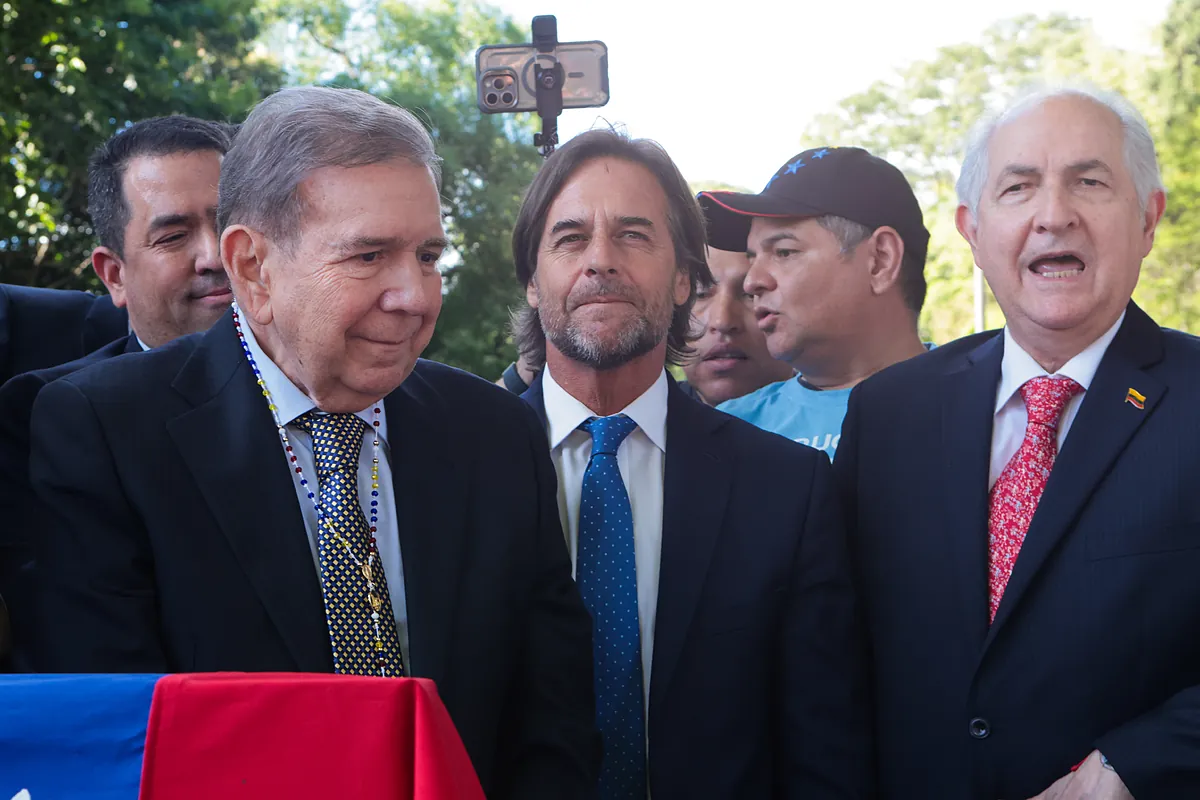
498, 83
490, 99
507, 97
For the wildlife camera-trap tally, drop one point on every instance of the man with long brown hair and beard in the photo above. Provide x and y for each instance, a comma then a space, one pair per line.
717, 567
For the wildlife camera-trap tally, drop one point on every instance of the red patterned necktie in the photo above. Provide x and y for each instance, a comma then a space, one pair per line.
1014, 497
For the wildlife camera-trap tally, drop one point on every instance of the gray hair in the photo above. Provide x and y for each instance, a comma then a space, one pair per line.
297, 131
1140, 158
850, 234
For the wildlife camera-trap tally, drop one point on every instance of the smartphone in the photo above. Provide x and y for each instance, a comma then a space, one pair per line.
504, 75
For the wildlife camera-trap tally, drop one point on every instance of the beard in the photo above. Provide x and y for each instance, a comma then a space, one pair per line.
611, 345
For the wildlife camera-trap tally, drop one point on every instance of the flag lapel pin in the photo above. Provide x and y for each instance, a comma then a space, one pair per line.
1136, 399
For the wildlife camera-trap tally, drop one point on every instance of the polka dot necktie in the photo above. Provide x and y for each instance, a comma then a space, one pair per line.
358, 610
1015, 495
606, 572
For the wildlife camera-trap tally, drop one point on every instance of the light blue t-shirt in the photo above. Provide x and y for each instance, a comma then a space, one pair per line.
808, 416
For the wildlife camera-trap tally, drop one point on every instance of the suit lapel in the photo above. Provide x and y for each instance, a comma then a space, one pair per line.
533, 396
230, 444
5, 334
968, 401
696, 484
431, 519
1101, 430
696, 488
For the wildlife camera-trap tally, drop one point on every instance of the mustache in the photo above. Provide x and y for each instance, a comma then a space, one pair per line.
207, 284
603, 290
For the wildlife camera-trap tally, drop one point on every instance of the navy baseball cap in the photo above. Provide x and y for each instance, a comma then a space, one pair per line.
844, 182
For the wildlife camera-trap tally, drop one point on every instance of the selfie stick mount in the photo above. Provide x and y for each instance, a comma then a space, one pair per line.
548, 82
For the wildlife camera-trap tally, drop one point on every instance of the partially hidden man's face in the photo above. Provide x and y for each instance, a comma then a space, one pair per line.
808, 295
1059, 232
607, 283
169, 276
351, 303
731, 357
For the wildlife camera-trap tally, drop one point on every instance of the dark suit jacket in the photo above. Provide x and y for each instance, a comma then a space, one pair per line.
46, 327
22, 513
1096, 643
176, 544
757, 686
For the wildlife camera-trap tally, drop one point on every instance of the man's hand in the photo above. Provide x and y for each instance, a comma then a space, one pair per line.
1092, 781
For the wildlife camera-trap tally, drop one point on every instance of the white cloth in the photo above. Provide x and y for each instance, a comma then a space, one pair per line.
292, 404
642, 460
1016, 368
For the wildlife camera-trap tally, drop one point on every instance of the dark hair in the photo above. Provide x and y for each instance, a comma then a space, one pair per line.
912, 282
157, 136
685, 223
851, 234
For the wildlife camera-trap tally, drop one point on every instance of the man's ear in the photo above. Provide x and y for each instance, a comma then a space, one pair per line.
531, 292
885, 257
110, 269
244, 254
683, 287
1155, 207
968, 226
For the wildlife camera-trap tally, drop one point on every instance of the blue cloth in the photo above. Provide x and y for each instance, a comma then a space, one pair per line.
70, 736
607, 575
808, 416
789, 408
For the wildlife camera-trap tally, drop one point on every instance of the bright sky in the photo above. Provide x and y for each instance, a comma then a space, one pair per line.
728, 93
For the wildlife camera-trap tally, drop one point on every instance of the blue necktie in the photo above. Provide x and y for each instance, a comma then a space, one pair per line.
606, 572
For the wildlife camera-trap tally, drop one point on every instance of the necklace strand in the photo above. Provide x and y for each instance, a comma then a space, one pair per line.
368, 569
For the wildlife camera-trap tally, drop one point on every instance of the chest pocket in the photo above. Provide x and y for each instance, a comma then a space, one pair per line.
1143, 540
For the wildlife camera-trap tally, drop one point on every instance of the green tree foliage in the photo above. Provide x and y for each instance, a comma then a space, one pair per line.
422, 57
920, 119
72, 73
1170, 286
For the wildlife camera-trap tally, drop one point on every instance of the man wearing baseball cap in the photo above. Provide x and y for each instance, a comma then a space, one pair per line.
837, 250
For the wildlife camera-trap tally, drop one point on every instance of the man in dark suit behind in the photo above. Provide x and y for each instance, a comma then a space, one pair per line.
711, 553
1022, 504
211, 497
152, 197
42, 328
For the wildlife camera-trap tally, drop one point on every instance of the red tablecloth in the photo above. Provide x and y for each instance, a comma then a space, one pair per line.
263, 735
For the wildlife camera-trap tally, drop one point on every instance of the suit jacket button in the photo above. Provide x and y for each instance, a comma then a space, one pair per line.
980, 728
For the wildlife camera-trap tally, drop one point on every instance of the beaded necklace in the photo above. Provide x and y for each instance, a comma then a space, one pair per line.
368, 568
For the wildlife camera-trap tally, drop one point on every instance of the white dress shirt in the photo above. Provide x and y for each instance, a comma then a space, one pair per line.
641, 459
292, 404
1017, 367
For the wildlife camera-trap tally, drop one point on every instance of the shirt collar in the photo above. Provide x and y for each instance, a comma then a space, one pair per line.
290, 402
1018, 366
564, 414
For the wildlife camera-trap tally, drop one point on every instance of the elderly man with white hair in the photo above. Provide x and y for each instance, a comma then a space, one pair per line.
1021, 509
